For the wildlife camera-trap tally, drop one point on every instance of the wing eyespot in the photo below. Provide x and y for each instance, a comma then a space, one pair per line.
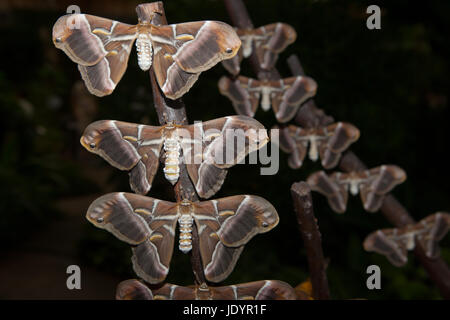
100, 220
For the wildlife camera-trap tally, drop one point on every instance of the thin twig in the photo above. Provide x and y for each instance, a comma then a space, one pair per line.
174, 111
241, 19
392, 209
301, 195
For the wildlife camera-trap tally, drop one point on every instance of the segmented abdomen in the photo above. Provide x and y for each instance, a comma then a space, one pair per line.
185, 222
144, 51
171, 167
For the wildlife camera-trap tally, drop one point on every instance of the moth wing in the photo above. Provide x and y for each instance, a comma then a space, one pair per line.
384, 179
340, 136
218, 145
336, 194
383, 242
265, 290
126, 146
435, 228
146, 223
182, 51
295, 91
101, 48
225, 226
243, 96
213, 42
133, 290
233, 65
274, 38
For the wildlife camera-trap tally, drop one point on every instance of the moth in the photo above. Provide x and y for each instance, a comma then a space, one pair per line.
328, 142
207, 148
179, 52
258, 290
372, 185
224, 226
395, 243
284, 95
268, 42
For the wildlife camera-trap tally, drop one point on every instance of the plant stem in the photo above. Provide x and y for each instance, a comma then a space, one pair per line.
301, 196
174, 111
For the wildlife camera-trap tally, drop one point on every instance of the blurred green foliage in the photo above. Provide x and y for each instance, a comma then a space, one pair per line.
391, 83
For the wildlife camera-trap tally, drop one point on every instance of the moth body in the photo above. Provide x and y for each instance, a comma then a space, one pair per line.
354, 186
171, 164
144, 51
185, 222
313, 150
265, 101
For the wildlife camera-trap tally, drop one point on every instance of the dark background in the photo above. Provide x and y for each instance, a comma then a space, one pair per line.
391, 83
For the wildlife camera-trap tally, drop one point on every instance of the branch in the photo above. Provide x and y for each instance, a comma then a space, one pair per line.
301, 195
174, 111
392, 209
240, 18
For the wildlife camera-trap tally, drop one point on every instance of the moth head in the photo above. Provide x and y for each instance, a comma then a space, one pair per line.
92, 135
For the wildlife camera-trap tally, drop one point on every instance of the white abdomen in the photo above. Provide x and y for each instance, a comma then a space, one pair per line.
185, 222
144, 51
265, 101
171, 163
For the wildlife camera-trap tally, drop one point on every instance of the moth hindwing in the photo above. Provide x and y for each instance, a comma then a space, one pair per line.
396, 242
178, 52
372, 185
224, 226
207, 148
258, 290
328, 142
284, 96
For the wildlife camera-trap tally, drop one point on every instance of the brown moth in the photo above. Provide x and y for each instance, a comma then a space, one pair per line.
372, 185
224, 226
258, 290
395, 243
285, 95
328, 142
268, 42
179, 52
202, 146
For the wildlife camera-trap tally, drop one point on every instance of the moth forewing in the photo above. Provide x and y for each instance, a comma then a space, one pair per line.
105, 138
253, 215
237, 91
342, 135
133, 290
431, 230
280, 35
336, 194
383, 243
296, 90
113, 213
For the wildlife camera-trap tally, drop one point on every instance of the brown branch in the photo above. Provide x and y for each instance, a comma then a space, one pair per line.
301, 195
392, 209
174, 111
240, 18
